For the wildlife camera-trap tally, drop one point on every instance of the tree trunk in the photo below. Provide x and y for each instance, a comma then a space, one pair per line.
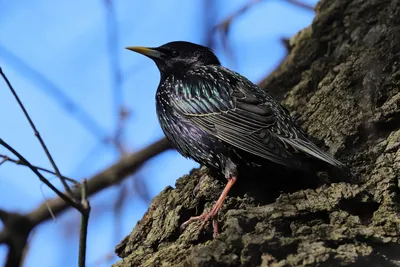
341, 79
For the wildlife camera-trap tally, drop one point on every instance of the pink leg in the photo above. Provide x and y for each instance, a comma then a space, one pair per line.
205, 217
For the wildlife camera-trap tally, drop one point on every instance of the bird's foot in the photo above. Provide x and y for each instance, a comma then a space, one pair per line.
205, 218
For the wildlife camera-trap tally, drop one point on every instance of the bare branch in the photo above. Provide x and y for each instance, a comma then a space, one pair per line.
37, 134
225, 26
84, 224
57, 94
115, 69
301, 4
123, 117
5, 158
19, 162
65, 198
109, 177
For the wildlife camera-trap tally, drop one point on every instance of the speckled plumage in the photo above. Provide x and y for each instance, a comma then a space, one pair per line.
212, 114
221, 119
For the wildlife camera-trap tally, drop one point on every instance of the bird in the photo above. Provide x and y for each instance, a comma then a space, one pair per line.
222, 120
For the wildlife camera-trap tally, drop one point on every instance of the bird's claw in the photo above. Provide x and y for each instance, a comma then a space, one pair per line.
204, 218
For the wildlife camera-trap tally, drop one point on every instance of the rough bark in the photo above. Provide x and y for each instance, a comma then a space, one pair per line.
342, 81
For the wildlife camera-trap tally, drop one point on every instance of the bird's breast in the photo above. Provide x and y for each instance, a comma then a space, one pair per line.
189, 139
180, 132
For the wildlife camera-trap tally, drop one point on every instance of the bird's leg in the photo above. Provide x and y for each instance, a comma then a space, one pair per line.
215, 228
205, 217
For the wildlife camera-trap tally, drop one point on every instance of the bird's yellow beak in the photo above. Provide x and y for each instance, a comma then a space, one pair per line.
150, 52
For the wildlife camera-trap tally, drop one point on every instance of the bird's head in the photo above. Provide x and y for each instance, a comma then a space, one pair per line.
178, 56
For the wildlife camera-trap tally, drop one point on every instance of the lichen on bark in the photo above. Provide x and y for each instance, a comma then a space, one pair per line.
341, 80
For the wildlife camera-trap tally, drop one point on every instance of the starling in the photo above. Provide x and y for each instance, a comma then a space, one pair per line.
221, 119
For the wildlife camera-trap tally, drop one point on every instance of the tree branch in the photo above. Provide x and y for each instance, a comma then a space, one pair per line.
224, 26
49, 87
19, 162
66, 199
37, 134
121, 112
301, 4
84, 224
110, 176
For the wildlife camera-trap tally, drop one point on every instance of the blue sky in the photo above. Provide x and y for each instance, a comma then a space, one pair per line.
66, 41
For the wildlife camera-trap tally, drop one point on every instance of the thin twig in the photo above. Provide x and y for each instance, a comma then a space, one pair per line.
111, 176
225, 26
141, 189
5, 158
301, 4
36, 132
84, 224
64, 197
115, 68
107, 178
122, 196
226, 23
123, 117
19, 162
51, 89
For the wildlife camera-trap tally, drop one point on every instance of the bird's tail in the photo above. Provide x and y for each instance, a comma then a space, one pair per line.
311, 149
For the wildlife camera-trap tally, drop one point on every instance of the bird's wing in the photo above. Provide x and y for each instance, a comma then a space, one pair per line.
242, 115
